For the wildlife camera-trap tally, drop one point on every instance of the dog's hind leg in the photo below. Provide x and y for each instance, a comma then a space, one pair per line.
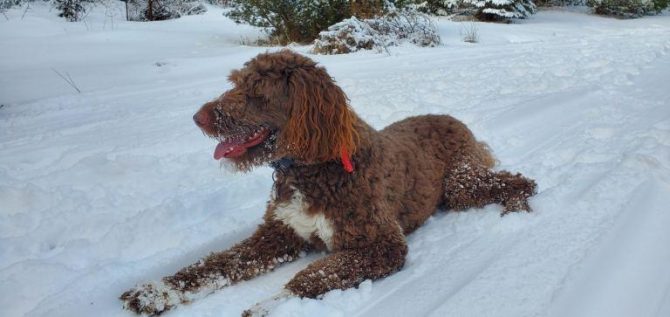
474, 186
271, 245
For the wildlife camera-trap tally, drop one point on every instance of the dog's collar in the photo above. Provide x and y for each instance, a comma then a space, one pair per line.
285, 163
346, 160
282, 164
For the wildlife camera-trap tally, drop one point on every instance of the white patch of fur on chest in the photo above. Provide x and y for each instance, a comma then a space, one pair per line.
294, 214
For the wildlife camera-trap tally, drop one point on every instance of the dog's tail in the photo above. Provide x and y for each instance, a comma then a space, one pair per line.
484, 156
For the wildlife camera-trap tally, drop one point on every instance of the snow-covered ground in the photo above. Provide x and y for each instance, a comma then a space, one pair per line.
112, 186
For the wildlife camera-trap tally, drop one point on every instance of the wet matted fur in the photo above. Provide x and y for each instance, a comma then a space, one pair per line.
286, 111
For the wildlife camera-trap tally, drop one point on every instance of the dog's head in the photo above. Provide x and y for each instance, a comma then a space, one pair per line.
281, 106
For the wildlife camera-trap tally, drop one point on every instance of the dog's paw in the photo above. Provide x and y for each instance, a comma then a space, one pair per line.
151, 299
521, 189
516, 204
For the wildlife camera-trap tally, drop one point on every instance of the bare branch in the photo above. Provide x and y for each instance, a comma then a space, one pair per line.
67, 79
25, 11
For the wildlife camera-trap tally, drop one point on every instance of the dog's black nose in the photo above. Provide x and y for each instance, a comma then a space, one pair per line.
198, 119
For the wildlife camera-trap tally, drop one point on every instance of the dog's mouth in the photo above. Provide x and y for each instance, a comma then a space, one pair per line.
235, 145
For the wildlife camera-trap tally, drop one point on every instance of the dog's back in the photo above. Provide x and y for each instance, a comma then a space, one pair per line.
419, 153
442, 137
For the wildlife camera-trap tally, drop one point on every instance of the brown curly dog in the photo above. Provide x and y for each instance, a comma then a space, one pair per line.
340, 185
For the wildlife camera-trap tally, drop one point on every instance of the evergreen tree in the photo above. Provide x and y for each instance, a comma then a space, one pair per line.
502, 10
157, 10
71, 10
441, 7
628, 8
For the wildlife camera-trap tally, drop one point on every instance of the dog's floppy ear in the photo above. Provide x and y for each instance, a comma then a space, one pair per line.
320, 126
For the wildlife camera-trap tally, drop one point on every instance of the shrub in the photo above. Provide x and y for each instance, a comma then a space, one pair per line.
484, 10
441, 7
470, 32
348, 36
627, 9
559, 3
501, 10
395, 27
660, 5
71, 10
157, 10
290, 20
7, 4
301, 20
366, 9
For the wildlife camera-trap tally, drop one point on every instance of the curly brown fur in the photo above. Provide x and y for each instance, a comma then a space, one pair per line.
348, 268
287, 111
469, 186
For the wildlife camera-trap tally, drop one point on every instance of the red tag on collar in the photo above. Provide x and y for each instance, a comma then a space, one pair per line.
346, 160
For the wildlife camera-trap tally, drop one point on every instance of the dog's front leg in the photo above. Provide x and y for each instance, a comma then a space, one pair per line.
271, 245
340, 270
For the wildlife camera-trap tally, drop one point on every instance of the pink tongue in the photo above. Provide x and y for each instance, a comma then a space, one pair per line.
229, 149
234, 149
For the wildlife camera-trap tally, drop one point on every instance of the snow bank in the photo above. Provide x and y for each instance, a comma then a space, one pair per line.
113, 186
